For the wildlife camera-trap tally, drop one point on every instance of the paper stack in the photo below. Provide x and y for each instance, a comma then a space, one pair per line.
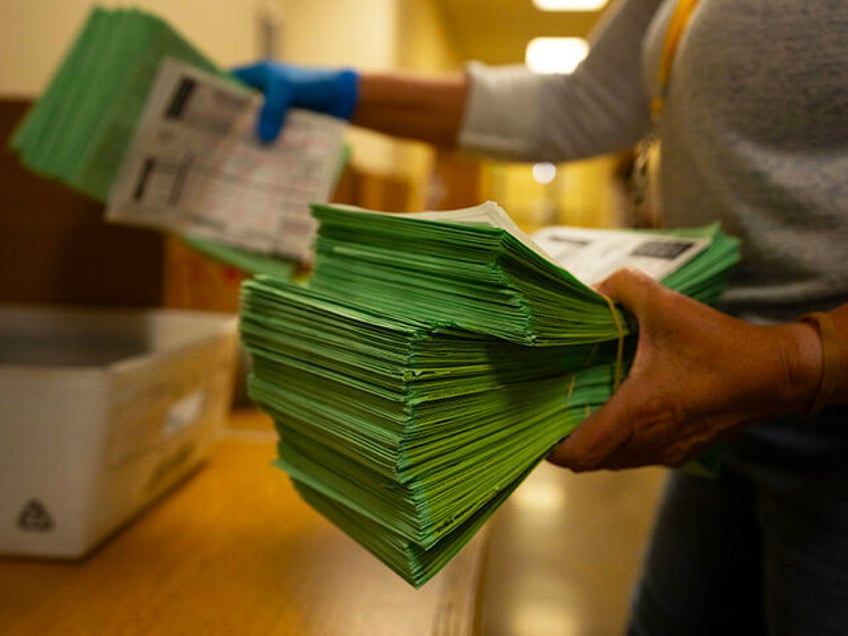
475, 269
407, 435
139, 119
79, 130
421, 374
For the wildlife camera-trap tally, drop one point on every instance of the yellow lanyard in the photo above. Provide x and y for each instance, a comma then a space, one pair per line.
676, 28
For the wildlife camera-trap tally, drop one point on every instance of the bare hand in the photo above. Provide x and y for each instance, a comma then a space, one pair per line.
698, 375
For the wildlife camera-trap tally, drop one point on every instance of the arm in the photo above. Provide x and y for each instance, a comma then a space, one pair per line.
505, 112
601, 107
425, 109
404, 105
698, 376
509, 111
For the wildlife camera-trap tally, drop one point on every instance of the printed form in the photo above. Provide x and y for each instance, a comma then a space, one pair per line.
591, 255
196, 167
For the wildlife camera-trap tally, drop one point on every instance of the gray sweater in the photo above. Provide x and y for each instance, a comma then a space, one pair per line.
754, 132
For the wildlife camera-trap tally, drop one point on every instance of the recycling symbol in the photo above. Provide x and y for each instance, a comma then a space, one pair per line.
35, 518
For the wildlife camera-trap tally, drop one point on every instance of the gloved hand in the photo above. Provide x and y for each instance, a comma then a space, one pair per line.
333, 92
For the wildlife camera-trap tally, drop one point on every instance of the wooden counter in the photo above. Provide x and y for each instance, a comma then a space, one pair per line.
233, 550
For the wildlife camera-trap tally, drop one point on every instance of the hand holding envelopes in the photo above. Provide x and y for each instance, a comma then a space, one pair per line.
422, 373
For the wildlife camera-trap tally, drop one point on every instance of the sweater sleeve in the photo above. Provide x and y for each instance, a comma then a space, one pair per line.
601, 107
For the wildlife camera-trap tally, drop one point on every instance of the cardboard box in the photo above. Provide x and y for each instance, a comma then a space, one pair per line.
101, 412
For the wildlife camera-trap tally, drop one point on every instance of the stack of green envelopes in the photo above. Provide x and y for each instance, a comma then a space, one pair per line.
408, 435
409, 407
79, 130
483, 276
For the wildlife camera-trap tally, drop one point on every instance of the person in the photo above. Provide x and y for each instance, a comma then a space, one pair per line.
754, 134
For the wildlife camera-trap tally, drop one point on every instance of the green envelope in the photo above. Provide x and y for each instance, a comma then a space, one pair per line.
80, 129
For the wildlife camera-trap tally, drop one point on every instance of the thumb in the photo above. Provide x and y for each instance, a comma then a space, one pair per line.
254, 75
278, 98
600, 436
630, 287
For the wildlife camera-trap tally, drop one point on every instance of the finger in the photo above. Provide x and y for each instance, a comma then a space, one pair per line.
254, 75
632, 288
278, 97
598, 438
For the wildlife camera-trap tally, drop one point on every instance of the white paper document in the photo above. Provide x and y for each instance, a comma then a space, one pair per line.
592, 255
196, 167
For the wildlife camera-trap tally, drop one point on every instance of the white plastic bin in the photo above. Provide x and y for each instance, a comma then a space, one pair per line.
101, 412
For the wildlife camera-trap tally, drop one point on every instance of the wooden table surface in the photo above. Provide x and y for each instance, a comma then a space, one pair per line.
233, 550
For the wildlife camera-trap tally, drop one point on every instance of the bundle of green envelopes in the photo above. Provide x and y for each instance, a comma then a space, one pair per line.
475, 269
421, 373
79, 130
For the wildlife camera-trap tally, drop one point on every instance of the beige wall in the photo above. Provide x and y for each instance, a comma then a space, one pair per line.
35, 34
361, 33
358, 33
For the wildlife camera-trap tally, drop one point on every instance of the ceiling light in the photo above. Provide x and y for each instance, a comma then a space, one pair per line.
569, 5
555, 55
544, 173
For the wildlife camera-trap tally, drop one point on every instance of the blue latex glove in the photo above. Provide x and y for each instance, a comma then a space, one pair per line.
333, 92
